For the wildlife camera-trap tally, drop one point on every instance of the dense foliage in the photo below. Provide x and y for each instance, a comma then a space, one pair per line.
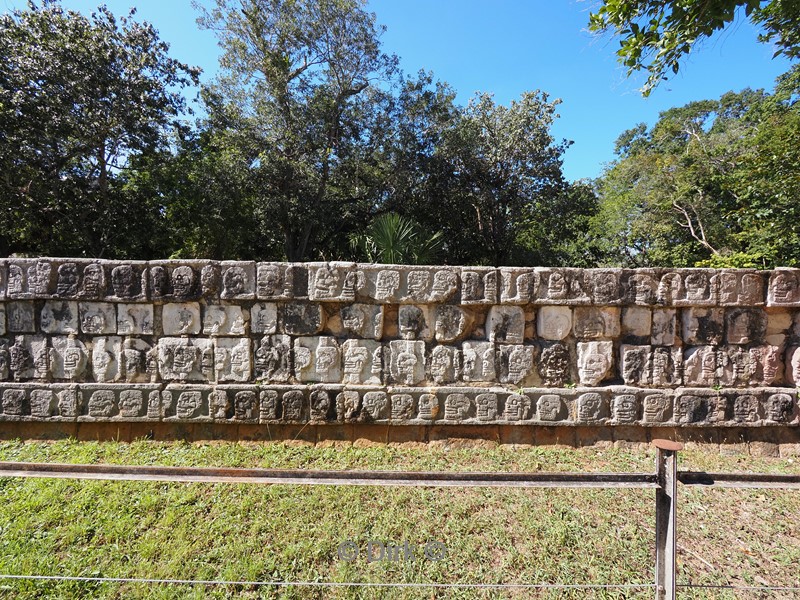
712, 183
313, 144
657, 34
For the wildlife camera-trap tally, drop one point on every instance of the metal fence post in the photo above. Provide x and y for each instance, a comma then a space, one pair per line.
666, 469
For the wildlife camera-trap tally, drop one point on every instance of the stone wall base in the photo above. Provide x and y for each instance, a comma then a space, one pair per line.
772, 441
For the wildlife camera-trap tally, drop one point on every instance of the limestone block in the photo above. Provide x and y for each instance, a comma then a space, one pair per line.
25, 357
781, 406
135, 319
20, 317
29, 278
415, 322
321, 405
362, 362
185, 359
594, 323
551, 407
670, 289
700, 366
97, 318
779, 325
93, 282
767, 364
128, 281
382, 283
106, 355
702, 325
225, 319
294, 406
555, 364
175, 280
635, 364
591, 407
700, 407
301, 318
281, 281
69, 358
506, 324
515, 363
407, 361
444, 364
665, 366
452, 323
516, 407
637, 322
640, 286
59, 317
5, 361
595, 361
444, 285
264, 318
783, 290
317, 358
604, 286
134, 360
362, 320
625, 409
273, 360
69, 402
479, 285
267, 405
657, 408
334, 281
487, 408
458, 406
745, 326
3, 278
478, 361
181, 318
741, 288
14, 402
186, 403
211, 280
793, 365
562, 287
663, 332
554, 322
700, 288
232, 359
2, 319
518, 286
238, 280
375, 407
403, 407
67, 278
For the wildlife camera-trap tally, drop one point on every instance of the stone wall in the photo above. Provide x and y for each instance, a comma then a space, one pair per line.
326, 343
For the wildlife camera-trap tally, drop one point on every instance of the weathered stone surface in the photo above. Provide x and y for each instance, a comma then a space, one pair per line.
97, 318
61, 317
240, 342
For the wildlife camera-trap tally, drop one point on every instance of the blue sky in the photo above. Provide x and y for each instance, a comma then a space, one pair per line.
507, 47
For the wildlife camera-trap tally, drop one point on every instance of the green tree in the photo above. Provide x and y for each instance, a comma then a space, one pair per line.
713, 183
657, 34
80, 97
507, 169
393, 239
300, 96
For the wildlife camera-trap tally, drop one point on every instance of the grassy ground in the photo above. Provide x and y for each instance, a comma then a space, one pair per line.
289, 533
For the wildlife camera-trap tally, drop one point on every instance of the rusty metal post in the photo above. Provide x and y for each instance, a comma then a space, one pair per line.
666, 469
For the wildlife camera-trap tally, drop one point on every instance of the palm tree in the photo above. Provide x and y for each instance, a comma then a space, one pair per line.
393, 239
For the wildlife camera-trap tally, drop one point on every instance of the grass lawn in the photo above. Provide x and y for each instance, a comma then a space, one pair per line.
240, 532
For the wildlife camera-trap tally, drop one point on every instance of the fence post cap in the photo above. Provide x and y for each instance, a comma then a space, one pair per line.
668, 445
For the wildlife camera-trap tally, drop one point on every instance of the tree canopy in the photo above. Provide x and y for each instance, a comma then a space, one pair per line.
657, 34
712, 183
79, 98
